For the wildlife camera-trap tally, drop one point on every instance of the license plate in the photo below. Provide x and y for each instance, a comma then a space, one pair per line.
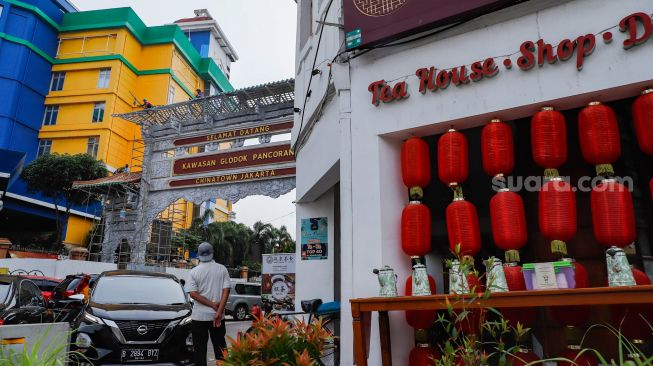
141, 354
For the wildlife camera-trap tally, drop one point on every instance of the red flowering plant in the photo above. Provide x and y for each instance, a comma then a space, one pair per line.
277, 342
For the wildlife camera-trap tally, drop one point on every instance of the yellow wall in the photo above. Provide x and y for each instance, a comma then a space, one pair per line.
78, 229
76, 101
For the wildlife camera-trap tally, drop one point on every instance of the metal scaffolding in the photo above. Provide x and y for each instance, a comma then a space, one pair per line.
224, 105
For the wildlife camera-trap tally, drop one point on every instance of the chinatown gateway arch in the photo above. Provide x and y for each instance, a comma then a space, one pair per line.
220, 147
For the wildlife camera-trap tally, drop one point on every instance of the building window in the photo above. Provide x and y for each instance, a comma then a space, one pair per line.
92, 146
51, 113
98, 112
57, 81
103, 79
171, 94
44, 147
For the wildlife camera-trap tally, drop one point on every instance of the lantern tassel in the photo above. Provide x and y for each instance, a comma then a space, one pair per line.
457, 192
416, 193
559, 247
605, 170
512, 256
551, 173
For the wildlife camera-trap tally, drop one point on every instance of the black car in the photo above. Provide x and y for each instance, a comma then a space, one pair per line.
136, 317
21, 302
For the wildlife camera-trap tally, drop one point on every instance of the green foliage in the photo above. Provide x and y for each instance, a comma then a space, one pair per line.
54, 353
275, 342
53, 175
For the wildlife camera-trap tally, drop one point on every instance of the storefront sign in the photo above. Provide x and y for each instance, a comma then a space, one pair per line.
235, 177
637, 28
235, 159
278, 281
236, 133
368, 22
315, 238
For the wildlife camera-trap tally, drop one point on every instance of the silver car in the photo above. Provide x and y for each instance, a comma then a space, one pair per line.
241, 299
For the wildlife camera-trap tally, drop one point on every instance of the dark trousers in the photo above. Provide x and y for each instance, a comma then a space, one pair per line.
201, 332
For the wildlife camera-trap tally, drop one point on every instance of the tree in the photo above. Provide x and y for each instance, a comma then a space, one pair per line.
230, 241
263, 236
53, 175
283, 240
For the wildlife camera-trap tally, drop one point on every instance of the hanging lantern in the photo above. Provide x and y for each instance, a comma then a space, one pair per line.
575, 316
549, 140
521, 358
643, 121
462, 227
508, 223
470, 323
599, 137
422, 355
613, 216
416, 229
498, 151
557, 214
420, 319
415, 166
453, 164
633, 320
587, 358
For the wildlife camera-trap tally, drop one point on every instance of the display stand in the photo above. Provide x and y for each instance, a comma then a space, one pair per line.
361, 309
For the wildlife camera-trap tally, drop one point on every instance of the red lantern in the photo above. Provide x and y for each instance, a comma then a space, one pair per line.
420, 319
471, 322
643, 121
587, 358
599, 135
576, 316
634, 320
423, 355
557, 213
521, 358
462, 227
549, 138
497, 148
508, 223
613, 216
415, 165
416, 229
453, 164
514, 277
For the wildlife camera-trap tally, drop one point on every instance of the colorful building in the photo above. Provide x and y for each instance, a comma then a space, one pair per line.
80, 68
28, 44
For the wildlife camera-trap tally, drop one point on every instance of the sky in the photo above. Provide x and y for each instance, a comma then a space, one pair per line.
263, 34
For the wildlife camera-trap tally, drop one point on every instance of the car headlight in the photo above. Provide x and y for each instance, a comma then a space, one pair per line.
185, 320
92, 318
83, 341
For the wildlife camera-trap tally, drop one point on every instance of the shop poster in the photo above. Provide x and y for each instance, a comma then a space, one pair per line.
315, 238
278, 281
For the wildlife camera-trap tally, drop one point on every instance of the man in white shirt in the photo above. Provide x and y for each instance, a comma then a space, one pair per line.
209, 285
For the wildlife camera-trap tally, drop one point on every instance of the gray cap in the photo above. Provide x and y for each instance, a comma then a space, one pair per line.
205, 252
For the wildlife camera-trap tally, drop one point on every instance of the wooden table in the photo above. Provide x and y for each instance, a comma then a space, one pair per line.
361, 309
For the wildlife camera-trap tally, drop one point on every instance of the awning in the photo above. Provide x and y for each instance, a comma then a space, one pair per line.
11, 165
118, 178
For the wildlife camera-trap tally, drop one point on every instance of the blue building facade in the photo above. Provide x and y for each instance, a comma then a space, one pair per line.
28, 43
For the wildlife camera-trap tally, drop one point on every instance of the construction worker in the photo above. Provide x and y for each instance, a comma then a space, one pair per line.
146, 104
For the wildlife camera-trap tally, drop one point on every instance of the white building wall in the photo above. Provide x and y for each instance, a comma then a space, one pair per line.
372, 193
317, 279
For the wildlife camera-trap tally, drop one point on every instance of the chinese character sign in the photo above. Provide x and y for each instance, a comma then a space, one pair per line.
315, 238
278, 281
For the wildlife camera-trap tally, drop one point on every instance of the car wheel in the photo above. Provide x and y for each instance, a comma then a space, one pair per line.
241, 312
